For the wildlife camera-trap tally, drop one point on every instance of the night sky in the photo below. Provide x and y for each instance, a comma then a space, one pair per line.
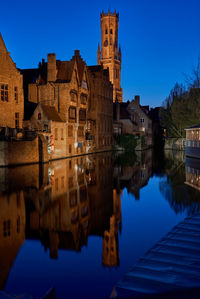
160, 40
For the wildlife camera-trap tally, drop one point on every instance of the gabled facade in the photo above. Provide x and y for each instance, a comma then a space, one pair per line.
47, 122
132, 118
11, 91
64, 86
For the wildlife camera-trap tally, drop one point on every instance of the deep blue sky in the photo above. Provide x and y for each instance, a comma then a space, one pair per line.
160, 40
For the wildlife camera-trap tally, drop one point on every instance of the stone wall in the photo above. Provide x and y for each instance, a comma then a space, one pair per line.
19, 152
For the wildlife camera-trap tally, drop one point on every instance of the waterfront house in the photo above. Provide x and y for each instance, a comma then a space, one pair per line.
64, 86
11, 92
131, 118
193, 141
46, 121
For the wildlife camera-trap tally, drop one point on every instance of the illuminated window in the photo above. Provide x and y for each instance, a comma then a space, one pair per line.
56, 134
62, 134
80, 131
16, 119
84, 84
82, 114
70, 148
4, 92
70, 131
83, 98
16, 94
72, 113
74, 96
6, 228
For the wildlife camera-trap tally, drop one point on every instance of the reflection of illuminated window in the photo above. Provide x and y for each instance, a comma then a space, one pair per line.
56, 184
84, 211
70, 182
74, 217
62, 182
6, 228
81, 179
18, 224
73, 198
83, 194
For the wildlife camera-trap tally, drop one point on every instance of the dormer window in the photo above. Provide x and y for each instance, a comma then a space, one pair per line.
84, 84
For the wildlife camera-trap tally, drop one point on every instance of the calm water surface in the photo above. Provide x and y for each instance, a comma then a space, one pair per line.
80, 224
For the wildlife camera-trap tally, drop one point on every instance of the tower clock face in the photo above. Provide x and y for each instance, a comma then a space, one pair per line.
105, 43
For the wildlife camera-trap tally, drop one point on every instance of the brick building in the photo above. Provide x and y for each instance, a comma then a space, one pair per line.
11, 90
64, 86
100, 108
132, 118
110, 55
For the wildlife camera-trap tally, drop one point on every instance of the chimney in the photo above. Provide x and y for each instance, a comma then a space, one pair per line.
137, 100
51, 67
77, 53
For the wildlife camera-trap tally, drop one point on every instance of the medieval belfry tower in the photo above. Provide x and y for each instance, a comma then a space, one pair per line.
109, 55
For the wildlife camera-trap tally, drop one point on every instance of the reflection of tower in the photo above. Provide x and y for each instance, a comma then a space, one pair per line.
109, 55
110, 240
110, 245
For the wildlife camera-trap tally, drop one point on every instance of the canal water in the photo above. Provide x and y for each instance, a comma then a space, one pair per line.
78, 225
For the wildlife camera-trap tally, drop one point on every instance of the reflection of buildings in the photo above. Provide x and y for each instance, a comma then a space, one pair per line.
77, 201
134, 177
193, 173
193, 141
12, 233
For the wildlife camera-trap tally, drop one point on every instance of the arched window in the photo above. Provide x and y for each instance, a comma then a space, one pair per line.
106, 31
111, 31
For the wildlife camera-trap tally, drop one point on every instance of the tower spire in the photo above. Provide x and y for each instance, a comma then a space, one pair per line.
110, 55
98, 55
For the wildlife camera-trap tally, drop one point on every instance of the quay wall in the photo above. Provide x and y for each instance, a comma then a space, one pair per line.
19, 152
175, 144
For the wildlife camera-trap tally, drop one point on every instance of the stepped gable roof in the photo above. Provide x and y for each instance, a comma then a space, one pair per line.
80, 64
51, 113
193, 127
2, 45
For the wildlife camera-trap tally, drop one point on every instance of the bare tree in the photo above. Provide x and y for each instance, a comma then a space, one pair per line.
193, 80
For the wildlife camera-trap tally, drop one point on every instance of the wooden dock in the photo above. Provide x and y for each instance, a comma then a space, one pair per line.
171, 265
